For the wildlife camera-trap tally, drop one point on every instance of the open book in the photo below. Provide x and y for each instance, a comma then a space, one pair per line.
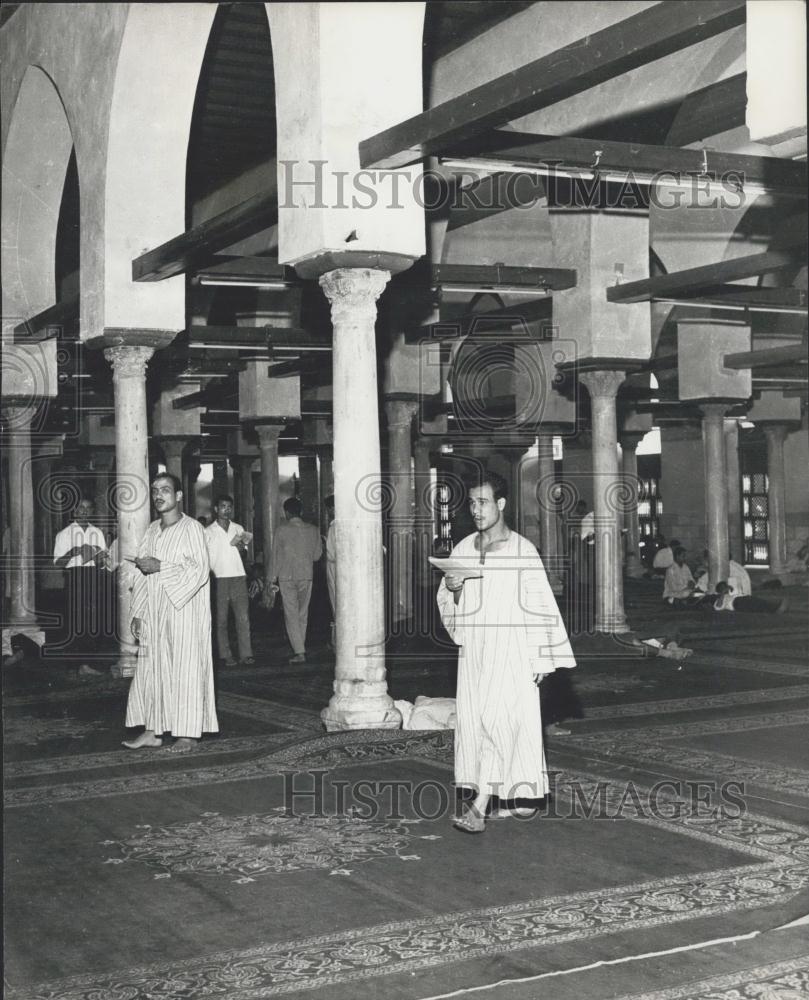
466, 569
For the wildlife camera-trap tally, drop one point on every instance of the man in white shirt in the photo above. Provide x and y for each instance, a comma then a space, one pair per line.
226, 541
296, 546
80, 550
679, 586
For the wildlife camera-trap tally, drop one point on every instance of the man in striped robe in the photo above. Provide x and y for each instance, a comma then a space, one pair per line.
172, 690
498, 606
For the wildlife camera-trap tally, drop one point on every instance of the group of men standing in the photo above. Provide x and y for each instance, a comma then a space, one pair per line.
170, 610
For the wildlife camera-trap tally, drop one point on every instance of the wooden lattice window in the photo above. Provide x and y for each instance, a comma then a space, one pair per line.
755, 516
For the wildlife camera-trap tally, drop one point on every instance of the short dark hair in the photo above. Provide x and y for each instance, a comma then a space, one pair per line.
488, 477
293, 506
223, 498
175, 482
679, 551
89, 500
674, 543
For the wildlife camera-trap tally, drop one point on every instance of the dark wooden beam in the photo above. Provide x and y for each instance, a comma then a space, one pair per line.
523, 148
642, 38
56, 321
496, 276
713, 109
194, 249
277, 337
750, 296
298, 366
768, 356
504, 319
670, 285
224, 267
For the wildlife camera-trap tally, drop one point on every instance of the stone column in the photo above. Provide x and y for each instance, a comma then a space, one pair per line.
546, 477
132, 479
242, 466
716, 494
360, 699
326, 482
734, 487
425, 518
173, 454
20, 516
104, 465
631, 522
603, 388
308, 489
776, 496
270, 500
191, 466
400, 413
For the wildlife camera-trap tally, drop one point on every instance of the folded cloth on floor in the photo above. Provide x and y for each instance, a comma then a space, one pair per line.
427, 713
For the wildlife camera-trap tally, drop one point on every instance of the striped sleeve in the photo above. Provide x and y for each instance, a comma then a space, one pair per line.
192, 568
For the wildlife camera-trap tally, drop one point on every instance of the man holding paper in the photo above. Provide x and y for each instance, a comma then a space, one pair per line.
172, 690
80, 550
226, 541
497, 605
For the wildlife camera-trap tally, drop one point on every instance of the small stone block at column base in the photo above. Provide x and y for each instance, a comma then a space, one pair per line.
345, 713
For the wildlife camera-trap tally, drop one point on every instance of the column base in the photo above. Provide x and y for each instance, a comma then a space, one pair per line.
634, 569
125, 665
342, 714
613, 627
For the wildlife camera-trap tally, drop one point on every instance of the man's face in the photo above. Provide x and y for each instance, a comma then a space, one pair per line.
680, 558
84, 512
224, 509
164, 497
485, 510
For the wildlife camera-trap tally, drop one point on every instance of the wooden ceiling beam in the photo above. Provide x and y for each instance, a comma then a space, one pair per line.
505, 318
195, 248
750, 297
767, 357
635, 41
716, 108
670, 285
277, 337
542, 151
498, 276
55, 321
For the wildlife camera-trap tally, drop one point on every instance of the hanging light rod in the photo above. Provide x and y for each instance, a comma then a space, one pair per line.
494, 289
665, 178
222, 282
688, 304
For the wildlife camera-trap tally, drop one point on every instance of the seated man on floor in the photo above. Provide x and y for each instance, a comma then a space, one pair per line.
767, 601
679, 585
738, 580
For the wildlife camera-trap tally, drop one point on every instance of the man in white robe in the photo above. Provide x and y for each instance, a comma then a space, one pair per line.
503, 615
173, 689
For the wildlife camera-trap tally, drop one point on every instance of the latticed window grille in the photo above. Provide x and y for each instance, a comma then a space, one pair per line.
755, 515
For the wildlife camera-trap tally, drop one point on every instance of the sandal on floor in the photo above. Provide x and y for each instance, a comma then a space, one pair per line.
470, 822
248, 661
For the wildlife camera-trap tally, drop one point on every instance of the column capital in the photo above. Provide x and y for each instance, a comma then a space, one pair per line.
352, 292
603, 383
400, 410
776, 431
715, 412
268, 434
128, 360
629, 440
18, 416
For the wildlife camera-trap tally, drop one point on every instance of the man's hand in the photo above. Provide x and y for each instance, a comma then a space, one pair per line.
137, 627
453, 582
148, 564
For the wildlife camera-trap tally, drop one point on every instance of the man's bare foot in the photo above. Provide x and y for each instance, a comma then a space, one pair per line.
298, 658
183, 744
513, 812
555, 729
147, 740
85, 670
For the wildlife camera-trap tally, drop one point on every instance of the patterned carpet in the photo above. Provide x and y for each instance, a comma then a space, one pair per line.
679, 816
